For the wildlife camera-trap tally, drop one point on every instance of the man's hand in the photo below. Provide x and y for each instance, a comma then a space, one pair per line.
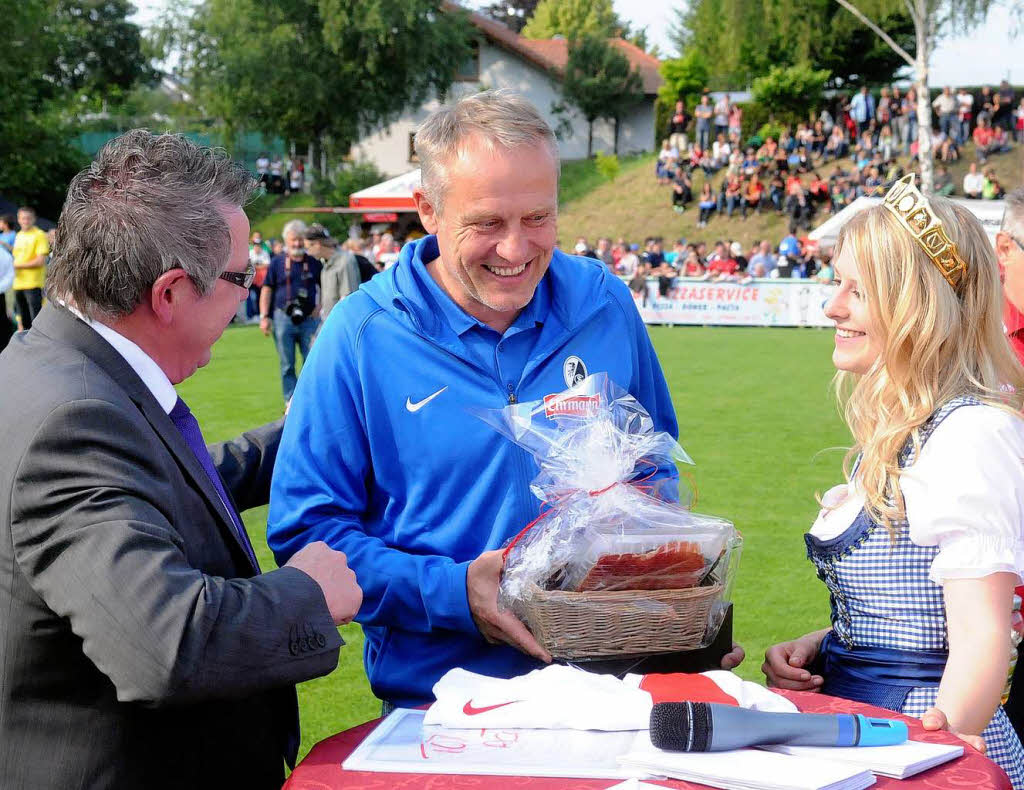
265, 326
495, 624
733, 658
784, 664
330, 570
935, 719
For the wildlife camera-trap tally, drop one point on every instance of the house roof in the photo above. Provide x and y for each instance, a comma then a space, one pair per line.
552, 54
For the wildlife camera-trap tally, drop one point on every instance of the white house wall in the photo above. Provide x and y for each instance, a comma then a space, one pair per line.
388, 148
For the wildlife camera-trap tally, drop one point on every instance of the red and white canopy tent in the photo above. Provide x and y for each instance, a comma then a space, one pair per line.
393, 196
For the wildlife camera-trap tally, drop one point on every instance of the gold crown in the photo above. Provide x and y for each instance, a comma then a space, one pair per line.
911, 208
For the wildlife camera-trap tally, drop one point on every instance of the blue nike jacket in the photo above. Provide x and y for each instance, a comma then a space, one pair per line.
381, 459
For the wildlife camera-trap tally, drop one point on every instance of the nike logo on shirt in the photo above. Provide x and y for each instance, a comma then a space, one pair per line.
415, 407
469, 710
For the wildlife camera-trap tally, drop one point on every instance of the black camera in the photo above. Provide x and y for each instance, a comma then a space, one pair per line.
298, 309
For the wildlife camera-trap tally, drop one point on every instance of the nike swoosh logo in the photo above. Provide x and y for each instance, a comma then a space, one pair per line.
415, 407
469, 710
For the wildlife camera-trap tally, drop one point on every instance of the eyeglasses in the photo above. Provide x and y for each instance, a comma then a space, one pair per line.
241, 279
1015, 241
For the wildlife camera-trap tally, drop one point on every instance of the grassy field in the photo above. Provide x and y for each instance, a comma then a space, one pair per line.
754, 412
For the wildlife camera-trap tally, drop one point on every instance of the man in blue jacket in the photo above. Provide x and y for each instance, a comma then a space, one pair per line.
380, 457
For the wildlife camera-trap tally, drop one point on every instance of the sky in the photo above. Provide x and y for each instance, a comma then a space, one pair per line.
985, 55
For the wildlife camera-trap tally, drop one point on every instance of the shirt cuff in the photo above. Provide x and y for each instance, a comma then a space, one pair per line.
459, 618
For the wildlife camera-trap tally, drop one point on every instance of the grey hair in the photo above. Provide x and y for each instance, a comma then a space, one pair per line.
147, 204
500, 118
293, 227
1013, 214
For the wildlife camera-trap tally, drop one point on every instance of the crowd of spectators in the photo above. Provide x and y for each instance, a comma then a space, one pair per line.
861, 138
281, 176
727, 260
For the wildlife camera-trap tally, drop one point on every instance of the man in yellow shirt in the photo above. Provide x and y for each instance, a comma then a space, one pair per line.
30, 250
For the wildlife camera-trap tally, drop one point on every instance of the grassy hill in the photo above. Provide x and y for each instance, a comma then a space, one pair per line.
635, 206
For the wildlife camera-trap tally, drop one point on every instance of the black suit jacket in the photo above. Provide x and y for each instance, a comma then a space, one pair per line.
138, 646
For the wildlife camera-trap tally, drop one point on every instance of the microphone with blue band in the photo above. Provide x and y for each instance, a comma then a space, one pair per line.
713, 727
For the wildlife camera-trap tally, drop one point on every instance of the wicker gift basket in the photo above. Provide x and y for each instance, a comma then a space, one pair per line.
616, 566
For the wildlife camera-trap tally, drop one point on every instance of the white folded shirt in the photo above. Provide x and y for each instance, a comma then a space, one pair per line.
562, 697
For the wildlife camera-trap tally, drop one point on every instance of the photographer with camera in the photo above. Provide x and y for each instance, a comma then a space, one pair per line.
290, 301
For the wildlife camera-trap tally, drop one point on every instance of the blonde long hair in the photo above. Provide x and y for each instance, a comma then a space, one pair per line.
938, 344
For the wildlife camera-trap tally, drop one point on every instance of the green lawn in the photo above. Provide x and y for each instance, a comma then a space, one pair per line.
755, 413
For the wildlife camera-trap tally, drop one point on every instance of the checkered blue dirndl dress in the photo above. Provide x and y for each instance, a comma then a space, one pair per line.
888, 643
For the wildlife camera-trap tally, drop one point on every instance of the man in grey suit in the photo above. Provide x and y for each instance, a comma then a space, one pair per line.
140, 646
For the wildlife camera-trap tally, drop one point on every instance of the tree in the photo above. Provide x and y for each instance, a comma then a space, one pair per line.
573, 19
98, 50
601, 83
930, 18
322, 72
791, 89
684, 78
744, 39
512, 13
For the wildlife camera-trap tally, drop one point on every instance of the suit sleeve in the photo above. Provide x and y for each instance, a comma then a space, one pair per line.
92, 532
321, 491
246, 464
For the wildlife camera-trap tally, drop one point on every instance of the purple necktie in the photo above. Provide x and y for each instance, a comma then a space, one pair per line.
187, 425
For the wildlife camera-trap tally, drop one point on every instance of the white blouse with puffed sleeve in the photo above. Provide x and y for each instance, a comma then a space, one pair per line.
964, 494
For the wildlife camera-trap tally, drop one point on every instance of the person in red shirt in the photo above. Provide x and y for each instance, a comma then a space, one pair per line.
753, 195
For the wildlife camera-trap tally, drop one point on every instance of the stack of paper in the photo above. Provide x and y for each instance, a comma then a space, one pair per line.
899, 762
750, 769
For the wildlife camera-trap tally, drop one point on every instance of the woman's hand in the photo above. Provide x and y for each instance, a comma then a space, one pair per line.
935, 719
784, 663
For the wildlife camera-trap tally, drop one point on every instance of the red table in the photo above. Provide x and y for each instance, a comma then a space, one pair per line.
321, 770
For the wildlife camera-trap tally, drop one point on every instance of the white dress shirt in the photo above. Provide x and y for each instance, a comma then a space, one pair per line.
964, 494
152, 375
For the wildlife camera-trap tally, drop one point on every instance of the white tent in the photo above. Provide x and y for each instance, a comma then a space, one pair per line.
392, 195
990, 212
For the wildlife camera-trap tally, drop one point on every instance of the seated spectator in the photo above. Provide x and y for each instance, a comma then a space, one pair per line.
836, 145
629, 263
753, 195
818, 188
666, 164
948, 151
762, 263
638, 284
799, 209
886, 142
666, 279
707, 203
943, 182
723, 266
1019, 124
733, 193
973, 181
603, 252
825, 273
766, 153
777, 192
653, 255
873, 185
817, 138
992, 189
989, 140
720, 151
749, 165
736, 251
692, 266
682, 191
583, 248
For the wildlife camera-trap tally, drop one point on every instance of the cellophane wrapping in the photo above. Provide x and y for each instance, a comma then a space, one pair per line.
612, 520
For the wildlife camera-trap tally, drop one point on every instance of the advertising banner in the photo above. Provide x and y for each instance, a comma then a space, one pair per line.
757, 303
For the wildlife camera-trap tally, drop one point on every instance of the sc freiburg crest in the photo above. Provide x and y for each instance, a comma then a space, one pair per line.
573, 371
